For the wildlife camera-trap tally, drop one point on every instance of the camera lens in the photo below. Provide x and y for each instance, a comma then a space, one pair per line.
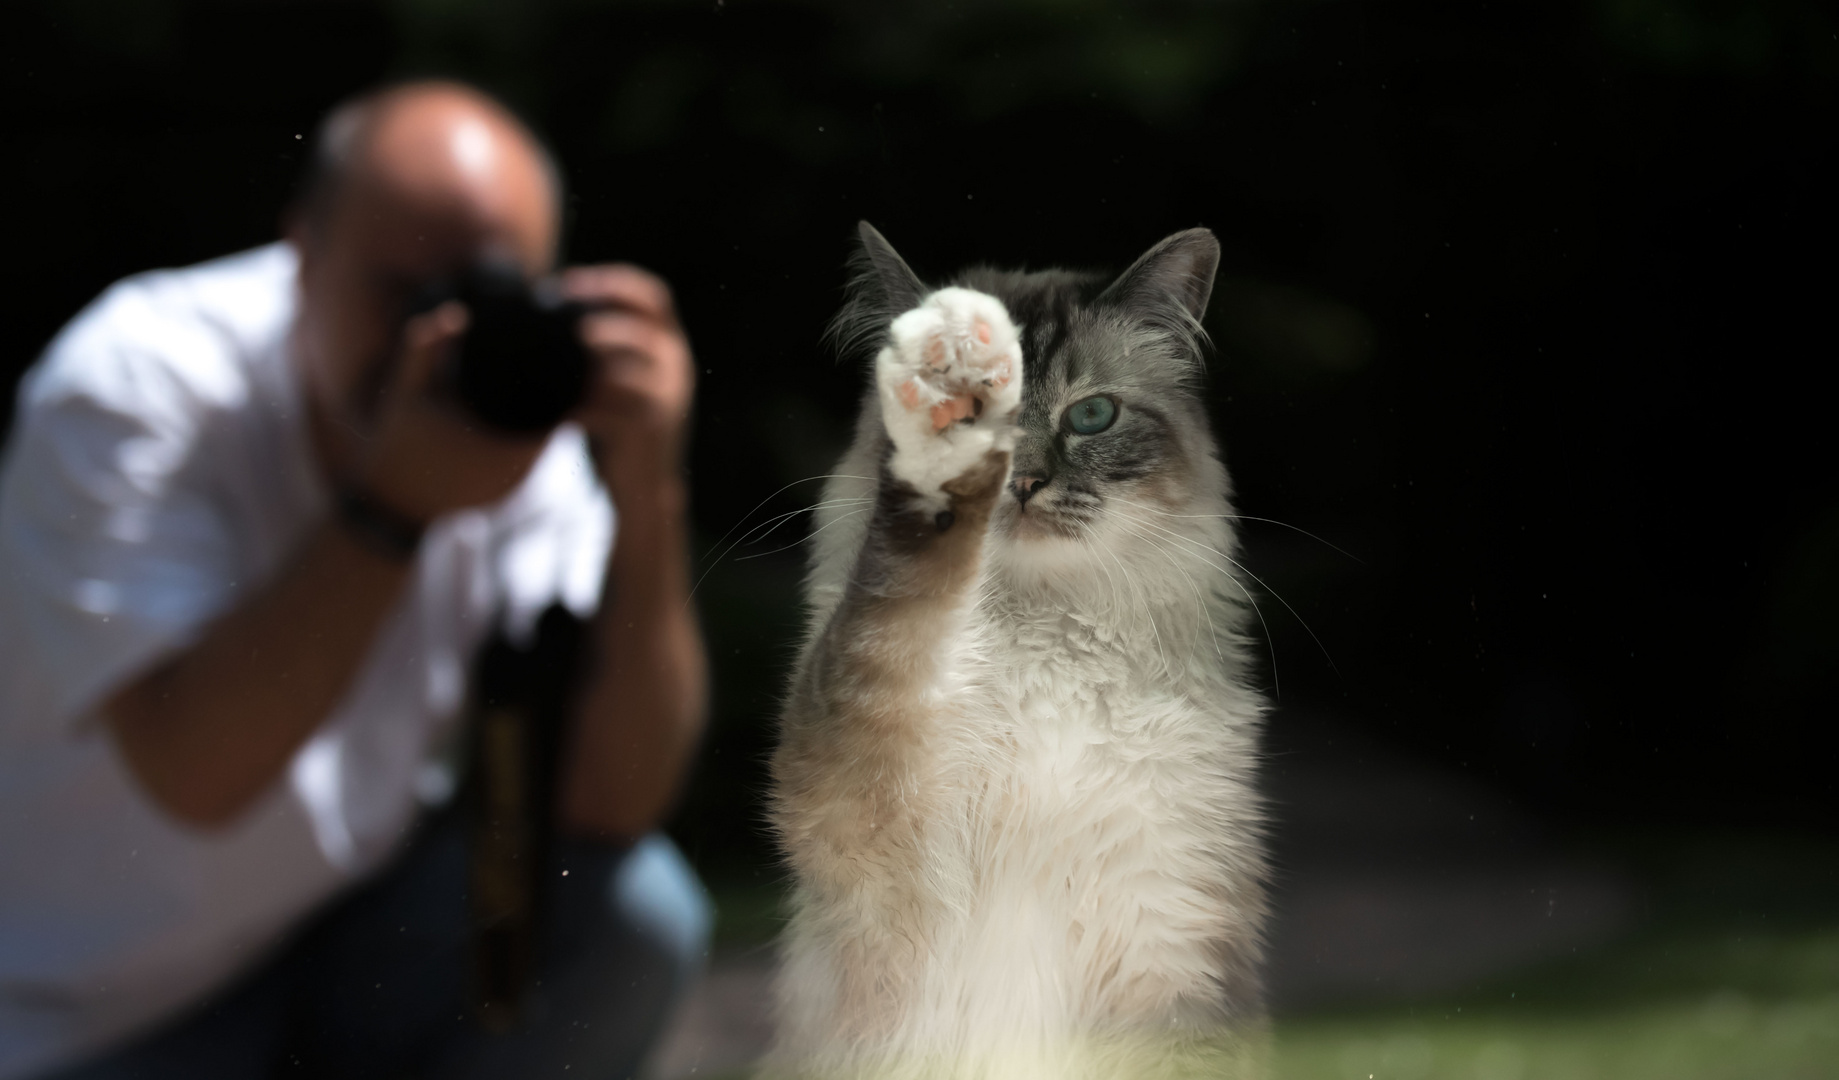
520, 367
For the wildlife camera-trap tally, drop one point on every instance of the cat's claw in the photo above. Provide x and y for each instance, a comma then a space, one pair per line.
951, 383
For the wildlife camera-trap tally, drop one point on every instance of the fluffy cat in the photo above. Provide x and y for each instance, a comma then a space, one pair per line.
1016, 778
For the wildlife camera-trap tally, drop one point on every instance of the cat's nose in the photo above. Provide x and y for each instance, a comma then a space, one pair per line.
1025, 487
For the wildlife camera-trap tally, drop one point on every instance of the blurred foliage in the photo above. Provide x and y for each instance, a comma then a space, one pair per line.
1159, 58
134, 30
1291, 330
1796, 662
1800, 37
1511, 306
991, 57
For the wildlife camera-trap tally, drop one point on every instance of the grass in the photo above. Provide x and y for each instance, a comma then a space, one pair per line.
1734, 975
1743, 1009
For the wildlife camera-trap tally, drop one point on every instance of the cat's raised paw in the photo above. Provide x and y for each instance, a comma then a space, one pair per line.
950, 382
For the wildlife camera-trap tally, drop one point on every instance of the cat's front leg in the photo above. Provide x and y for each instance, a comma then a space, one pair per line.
858, 772
855, 767
949, 382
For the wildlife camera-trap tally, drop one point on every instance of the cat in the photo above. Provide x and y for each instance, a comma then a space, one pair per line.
1016, 775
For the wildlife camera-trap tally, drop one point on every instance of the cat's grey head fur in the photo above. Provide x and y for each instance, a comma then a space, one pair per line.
1136, 339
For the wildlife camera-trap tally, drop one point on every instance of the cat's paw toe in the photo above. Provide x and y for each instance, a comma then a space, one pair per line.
969, 353
956, 358
951, 384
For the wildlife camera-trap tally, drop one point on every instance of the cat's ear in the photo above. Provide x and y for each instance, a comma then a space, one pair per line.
881, 287
1170, 284
878, 267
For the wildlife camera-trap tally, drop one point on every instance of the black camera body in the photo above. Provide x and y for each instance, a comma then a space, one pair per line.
520, 367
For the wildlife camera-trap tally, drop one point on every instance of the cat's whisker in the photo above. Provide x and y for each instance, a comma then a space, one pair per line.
771, 525
1242, 517
799, 543
783, 518
1199, 599
1261, 584
1115, 595
1270, 642
777, 520
1137, 595
1199, 603
744, 518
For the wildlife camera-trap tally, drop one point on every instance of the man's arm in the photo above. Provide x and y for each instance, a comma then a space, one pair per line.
207, 732
641, 712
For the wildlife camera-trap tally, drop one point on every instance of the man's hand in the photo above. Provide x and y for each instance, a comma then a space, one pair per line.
640, 715
638, 404
421, 455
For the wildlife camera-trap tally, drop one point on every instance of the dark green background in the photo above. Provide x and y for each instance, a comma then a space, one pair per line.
1524, 305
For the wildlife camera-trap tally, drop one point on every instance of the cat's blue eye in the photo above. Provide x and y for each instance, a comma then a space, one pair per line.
1091, 416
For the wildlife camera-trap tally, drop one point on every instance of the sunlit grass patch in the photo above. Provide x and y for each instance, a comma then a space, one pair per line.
1732, 973
1762, 1004
1723, 1035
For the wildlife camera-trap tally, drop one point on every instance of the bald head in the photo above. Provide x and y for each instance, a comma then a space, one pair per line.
411, 184
442, 159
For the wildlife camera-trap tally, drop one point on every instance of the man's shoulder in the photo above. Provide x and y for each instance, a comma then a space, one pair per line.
194, 332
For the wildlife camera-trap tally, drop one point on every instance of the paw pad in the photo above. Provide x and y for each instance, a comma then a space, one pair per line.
950, 384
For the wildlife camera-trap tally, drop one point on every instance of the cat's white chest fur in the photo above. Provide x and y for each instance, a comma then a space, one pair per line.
1076, 873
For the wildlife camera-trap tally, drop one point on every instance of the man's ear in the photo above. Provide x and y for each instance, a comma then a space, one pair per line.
881, 287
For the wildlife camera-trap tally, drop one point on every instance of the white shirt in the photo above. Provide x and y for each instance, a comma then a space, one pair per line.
158, 473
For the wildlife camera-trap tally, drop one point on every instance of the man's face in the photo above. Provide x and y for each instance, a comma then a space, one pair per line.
369, 256
360, 270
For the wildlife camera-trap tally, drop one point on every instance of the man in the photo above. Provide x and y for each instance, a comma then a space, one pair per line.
246, 548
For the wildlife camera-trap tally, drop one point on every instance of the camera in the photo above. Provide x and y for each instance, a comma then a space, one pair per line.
520, 367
